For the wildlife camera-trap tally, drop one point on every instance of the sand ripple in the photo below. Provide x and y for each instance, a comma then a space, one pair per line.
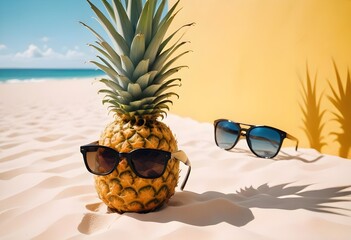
46, 192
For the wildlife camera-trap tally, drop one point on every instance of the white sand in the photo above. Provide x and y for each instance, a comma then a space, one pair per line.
46, 192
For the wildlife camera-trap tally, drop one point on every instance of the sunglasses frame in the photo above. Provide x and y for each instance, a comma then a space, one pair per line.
245, 132
178, 155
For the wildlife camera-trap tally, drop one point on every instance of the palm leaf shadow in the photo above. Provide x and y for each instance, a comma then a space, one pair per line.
341, 99
312, 113
288, 197
211, 208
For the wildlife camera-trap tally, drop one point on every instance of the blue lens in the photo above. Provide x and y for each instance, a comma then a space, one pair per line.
227, 134
264, 141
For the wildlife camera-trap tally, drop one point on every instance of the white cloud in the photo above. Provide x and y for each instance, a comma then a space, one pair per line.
34, 51
39, 56
2, 46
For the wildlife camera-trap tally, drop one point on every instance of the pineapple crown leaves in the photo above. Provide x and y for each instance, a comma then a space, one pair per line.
137, 58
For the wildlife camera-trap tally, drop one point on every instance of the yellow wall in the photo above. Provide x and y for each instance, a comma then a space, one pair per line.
250, 58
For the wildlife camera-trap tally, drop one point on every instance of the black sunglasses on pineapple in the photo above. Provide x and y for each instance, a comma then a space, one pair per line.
145, 162
263, 141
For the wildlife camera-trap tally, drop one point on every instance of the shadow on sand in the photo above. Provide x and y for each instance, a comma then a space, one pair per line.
211, 208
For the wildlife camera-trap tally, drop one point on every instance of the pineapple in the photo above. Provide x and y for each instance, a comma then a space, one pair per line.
138, 63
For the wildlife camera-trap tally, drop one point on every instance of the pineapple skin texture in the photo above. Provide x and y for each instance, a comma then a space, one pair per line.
122, 190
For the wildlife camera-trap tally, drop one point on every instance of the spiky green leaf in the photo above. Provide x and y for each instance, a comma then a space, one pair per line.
134, 8
111, 84
169, 84
143, 81
170, 62
154, 45
98, 36
137, 49
168, 39
144, 26
109, 9
109, 71
157, 17
115, 37
141, 69
124, 26
115, 58
123, 81
134, 89
127, 66
170, 72
142, 103
163, 57
151, 90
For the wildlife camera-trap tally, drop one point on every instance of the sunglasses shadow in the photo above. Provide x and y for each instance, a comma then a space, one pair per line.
242, 150
211, 208
282, 155
299, 156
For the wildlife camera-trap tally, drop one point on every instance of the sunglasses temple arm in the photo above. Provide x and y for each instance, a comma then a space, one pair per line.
294, 139
186, 178
181, 156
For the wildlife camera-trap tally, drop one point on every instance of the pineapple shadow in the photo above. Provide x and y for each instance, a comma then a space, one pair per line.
341, 100
211, 208
313, 124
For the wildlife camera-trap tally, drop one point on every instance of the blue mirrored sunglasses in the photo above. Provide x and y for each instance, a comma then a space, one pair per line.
263, 141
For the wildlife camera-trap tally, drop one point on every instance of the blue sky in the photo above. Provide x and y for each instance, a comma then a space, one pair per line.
46, 33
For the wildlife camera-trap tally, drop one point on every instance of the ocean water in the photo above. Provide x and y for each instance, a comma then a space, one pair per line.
18, 75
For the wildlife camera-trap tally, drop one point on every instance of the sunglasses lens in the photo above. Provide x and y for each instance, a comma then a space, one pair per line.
149, 163
101, 160
264, 142
226, 134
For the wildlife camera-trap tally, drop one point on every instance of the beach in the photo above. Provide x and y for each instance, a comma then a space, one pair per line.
46, 192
